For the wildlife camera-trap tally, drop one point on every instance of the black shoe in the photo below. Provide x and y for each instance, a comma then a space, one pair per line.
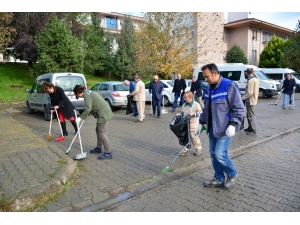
158, 117
105, 156
247, 130
96, 150
138, 121
230, 182
213, 183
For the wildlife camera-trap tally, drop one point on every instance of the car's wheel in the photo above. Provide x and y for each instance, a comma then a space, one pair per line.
165, 101
29, 109
47, 112
109, 104
261, 93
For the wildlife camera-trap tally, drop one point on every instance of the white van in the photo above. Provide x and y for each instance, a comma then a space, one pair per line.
278, 74
237, 73
39, 101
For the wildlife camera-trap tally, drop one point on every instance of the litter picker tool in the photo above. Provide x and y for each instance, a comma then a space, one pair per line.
82, 154
60, 138
279, 97
164, 111
50, 135
166, 169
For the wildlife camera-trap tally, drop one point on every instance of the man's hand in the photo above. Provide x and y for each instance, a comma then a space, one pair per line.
78, 120
230, 131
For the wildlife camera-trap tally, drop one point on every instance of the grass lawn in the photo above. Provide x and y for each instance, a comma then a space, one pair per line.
16, 77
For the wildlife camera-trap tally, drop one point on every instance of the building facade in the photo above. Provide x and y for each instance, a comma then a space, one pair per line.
251, 35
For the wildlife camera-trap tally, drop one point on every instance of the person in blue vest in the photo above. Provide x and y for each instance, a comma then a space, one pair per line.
131, 85
155, 89
178, 90
223, 113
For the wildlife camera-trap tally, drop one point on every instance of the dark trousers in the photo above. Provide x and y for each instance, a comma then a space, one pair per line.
156, 102
251, 116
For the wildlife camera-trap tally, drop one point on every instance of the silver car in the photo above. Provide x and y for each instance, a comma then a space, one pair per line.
114, 93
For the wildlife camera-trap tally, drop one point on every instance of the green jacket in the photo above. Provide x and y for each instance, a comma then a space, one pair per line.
94, 103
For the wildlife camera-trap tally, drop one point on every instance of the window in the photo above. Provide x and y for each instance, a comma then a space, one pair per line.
225, 36
40, 85
111, 22
67, 83
231, 75
33, 89
95, 87
267, 36
120, 87
275, 76
104, 87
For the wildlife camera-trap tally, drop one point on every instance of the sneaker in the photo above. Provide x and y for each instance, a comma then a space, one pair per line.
230, 182
291, 105
283, 106
96, 150
184, 153
247, 130
197, 152
213, 183
105, 156
172, 110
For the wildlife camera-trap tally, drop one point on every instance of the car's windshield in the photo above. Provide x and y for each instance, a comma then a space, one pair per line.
296, 75
261, 75
120, 87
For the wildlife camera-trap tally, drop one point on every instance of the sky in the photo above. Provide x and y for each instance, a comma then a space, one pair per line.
281, 14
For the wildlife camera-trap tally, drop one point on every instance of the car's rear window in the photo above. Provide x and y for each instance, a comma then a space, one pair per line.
120, 87
67, 83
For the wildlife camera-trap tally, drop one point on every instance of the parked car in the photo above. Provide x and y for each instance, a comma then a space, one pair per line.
168, 96
39, 101
114, 93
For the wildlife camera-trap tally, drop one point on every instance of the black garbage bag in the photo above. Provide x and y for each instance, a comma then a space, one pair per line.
181, 128
130, 105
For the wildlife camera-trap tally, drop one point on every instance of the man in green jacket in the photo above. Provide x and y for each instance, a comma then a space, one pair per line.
96, 106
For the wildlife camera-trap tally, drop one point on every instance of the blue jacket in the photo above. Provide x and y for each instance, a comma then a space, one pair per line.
226, 105
131, 86
197, 86
156, 90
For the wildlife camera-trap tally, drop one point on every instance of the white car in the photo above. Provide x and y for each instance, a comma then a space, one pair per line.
168, 96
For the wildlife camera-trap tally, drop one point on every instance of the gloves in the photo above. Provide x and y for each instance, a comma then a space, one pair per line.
230, 131
78, 120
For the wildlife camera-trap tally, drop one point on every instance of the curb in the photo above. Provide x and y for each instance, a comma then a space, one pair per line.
22, 202
123, 194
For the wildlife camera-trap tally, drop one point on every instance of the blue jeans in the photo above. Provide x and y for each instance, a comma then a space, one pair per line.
285, 98
218, 149
156, 103
175, 104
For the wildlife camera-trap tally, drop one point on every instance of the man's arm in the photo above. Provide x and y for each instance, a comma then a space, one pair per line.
250, 90
88, 106
235, 104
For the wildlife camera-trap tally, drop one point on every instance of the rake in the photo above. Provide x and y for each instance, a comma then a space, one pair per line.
166, 169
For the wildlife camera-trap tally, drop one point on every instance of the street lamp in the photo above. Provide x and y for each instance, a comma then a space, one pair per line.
253, 37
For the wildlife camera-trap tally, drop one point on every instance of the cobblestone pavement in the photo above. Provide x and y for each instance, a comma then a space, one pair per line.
140, 152
268, 181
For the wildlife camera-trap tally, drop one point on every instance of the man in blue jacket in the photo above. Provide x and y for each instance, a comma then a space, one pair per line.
196, 89
155, 89
131, 85
223, 113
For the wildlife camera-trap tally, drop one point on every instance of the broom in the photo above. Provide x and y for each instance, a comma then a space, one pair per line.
50, 135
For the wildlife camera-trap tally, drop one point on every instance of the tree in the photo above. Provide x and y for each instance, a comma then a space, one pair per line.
291, 50
126, 55
94, 46
271, 56
58, 50
236, 55
7, 31
172, 41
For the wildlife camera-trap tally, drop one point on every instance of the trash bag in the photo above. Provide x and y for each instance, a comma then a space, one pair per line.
130, 105
181, 128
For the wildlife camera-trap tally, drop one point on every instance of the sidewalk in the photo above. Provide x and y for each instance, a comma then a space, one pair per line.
32, 167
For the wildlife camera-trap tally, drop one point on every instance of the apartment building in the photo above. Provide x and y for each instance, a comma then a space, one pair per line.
251, 35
